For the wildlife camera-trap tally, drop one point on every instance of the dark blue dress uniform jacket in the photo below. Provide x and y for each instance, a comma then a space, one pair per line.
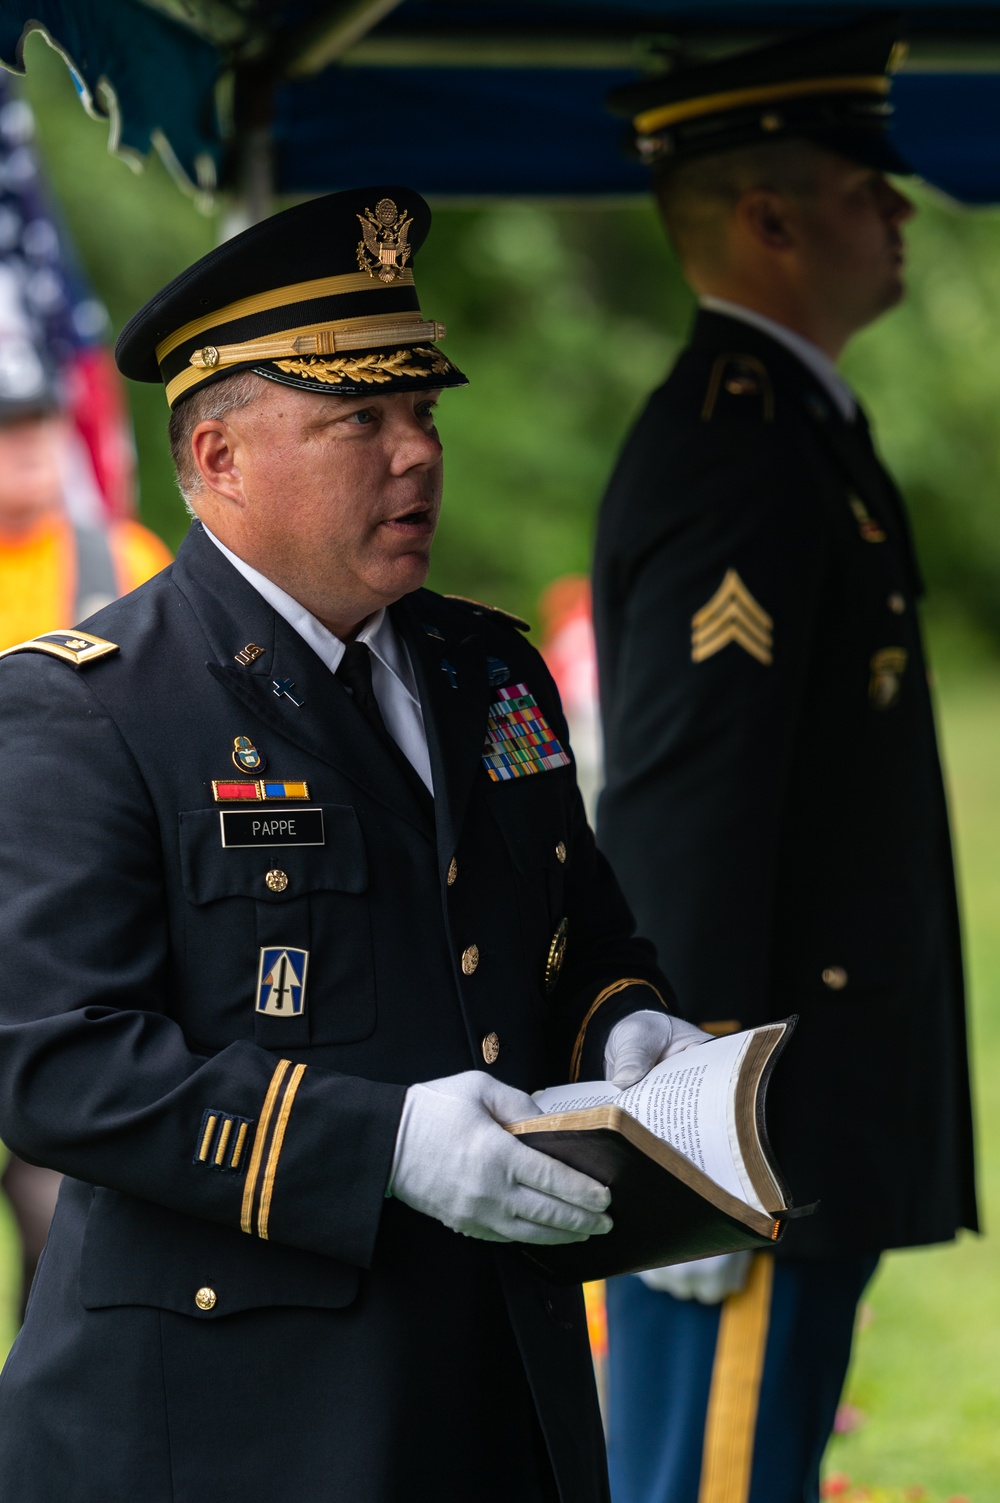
776, 817
257, 1321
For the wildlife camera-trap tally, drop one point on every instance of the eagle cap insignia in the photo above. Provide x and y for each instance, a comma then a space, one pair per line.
385, 248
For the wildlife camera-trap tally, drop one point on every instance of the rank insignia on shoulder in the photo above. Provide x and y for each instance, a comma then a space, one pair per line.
77, 648
246, 757
222, 1137
480, 609
732, 615
871, 530
281, 982
887, 668
739, 376
519, 740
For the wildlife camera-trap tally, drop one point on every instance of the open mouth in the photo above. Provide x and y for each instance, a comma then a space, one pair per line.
417, 521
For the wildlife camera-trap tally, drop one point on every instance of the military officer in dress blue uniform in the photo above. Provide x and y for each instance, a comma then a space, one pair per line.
774, 806
300, 903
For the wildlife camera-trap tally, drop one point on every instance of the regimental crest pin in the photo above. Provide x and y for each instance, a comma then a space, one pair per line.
732, 615
870, 529
281, 982
887, 668
385, 249
246, 757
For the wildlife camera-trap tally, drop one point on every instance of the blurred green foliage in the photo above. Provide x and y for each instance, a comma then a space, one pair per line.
564, 320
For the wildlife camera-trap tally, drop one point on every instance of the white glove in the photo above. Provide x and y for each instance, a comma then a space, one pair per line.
645, 1039
455, 1161
708, 1280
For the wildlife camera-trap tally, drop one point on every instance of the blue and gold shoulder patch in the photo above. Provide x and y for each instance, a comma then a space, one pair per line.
478, 608
78, 648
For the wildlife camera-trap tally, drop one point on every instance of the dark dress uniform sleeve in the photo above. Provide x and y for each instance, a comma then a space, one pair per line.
99, 1081
709, 620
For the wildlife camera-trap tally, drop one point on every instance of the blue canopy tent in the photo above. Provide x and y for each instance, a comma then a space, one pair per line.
464, 98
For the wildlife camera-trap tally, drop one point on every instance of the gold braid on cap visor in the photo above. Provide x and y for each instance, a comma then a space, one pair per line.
711, 104
326, 338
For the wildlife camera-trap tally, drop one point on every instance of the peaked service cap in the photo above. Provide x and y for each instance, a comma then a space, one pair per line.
830, 86
320, 297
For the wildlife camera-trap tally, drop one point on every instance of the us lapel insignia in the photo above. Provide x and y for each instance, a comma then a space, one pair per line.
497, 672
385, 249
519, 740
432, 631
556, 955
732, 615
871, 530
281, 982
248, 654
246, 757
887, 668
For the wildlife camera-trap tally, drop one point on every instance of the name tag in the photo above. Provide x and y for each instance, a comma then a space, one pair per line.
249, 827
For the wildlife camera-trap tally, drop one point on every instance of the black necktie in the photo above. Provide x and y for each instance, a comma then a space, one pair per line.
355, 673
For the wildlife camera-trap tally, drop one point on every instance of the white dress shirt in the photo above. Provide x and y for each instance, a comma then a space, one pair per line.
812, 357
392, 672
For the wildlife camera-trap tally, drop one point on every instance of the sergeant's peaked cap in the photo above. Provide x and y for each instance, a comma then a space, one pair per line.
320, 297
829, 85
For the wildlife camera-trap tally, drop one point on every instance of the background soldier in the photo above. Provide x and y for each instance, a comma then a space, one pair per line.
287, 946
774, 805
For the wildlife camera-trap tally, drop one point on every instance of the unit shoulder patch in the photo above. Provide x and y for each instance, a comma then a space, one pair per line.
740, 376
481, 609
732, 615
78, 648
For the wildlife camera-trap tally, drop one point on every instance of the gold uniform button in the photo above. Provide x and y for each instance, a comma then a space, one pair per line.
452, 872
561, 852
491, 1048
835, 977
205, 1298
470, 959
896, 603
276, 880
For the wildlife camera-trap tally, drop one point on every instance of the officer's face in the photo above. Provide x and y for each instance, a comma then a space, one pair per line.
850, 240
334, 499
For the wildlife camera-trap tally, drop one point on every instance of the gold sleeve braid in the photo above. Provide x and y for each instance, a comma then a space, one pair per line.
599, 1000
260, 1143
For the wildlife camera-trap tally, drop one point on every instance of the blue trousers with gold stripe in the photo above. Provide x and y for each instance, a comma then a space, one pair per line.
730, 1403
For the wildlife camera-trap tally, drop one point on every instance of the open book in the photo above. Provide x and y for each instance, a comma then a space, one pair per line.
684, 1153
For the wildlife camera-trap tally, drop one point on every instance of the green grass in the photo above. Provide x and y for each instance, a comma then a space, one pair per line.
927, 1368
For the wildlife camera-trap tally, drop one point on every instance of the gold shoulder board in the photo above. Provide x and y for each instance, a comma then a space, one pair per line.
75, 647
491, 610
739, 376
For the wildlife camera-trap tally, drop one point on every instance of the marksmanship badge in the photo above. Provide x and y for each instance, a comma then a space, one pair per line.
385, 250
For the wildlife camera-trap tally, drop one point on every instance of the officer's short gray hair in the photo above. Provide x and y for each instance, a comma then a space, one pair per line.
210, 403
697, 195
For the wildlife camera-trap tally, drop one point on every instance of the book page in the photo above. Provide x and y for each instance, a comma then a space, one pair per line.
687, 1101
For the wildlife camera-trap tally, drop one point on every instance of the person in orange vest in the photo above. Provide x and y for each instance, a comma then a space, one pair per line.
52, 570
